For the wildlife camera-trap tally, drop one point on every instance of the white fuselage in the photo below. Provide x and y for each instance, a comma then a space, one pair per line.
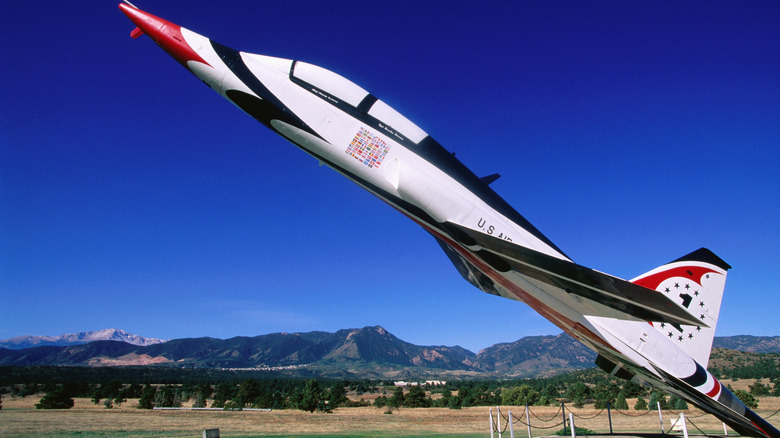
381, 157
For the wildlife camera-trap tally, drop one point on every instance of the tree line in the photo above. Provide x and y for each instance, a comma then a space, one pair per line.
767, 367
578, 388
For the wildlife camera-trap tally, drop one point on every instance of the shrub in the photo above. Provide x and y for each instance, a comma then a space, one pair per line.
747, 398
57, 399
579, 431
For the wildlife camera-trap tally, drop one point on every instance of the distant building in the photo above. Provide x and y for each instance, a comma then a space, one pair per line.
427, 382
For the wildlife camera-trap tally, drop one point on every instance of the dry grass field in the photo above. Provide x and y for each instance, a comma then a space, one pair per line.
19, 418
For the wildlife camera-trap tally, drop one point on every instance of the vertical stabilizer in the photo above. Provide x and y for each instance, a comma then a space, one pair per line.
695, 282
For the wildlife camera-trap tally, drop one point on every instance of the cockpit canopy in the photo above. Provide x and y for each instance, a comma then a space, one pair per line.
350, 97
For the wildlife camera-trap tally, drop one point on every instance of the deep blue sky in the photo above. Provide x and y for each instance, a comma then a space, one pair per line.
132, 196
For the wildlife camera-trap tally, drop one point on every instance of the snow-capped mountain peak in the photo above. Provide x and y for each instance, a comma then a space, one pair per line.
111, 334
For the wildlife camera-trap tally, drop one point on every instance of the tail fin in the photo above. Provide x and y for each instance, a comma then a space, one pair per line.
695, 282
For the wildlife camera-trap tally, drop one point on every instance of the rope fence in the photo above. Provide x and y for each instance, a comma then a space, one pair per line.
770, 416
628, 414
564, 417
587, 418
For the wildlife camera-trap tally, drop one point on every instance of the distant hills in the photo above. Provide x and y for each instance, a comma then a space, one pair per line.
370, 352
21, 342
749, 344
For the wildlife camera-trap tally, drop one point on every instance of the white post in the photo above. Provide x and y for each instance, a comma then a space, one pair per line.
498, 420
491, 422
571, 424
684, 426
528, 421
511, 426
725, 432
660, 417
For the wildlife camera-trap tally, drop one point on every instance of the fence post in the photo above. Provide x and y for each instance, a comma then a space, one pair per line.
528, 421
491, 422
660, 418
511, 426
571, 424
563, 414
498, 420
609, 416
684, 426
725, 432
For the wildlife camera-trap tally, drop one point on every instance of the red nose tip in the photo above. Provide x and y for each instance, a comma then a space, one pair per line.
166, 34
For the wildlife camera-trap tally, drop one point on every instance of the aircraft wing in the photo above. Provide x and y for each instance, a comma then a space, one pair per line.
631, 299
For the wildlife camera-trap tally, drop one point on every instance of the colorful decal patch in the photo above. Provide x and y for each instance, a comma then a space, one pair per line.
368, 148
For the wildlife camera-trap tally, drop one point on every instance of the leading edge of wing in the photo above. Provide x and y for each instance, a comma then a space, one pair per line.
633, 300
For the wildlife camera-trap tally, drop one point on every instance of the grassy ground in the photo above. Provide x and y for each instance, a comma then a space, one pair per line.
20, 418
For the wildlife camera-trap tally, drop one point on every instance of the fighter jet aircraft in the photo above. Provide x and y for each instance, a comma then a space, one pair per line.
656, 329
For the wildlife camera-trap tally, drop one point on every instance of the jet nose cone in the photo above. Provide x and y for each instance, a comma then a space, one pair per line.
166, 34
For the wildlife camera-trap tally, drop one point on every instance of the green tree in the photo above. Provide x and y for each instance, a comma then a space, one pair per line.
454, 403
108, 390
747, 398
277, 401
578, 394
337, 395
620, 401
397, 400
147, 397
604, 394
311, 397
202, 393
758, 389
416, 398
56, 399
167, 397
29, 389
248, 392
444, 401
132, 391
658, 397
481, 396
380, 401
223, 393
549, 395
120, 397
520, 396
465, 397
678, 403
641, 404
632, 389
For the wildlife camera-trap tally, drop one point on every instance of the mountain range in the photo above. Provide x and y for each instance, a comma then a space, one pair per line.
370, 352
749, 344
